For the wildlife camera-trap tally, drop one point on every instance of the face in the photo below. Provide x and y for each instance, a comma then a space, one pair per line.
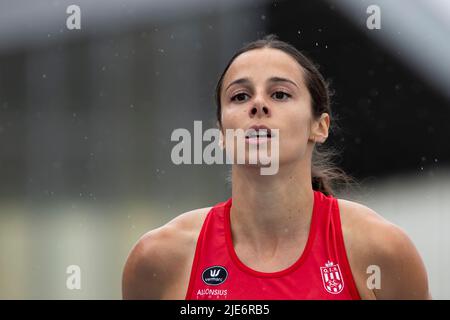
266, 87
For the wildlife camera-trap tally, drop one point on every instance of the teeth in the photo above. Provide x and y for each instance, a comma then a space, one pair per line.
257, 134
263, 133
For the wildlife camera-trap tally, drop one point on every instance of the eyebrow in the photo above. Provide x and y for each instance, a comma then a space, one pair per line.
271, 79
279, 79
238, 81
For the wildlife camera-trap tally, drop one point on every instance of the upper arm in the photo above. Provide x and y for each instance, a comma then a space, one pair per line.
157, 265
384, 261
403, 273
144, 276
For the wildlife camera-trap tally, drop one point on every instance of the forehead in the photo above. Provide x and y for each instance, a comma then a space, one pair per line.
264, 63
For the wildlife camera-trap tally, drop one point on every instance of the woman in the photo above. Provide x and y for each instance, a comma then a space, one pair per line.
281, 236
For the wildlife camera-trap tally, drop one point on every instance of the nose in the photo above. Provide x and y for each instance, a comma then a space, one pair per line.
259, 109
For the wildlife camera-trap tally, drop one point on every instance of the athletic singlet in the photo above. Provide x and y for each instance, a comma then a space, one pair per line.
321, 272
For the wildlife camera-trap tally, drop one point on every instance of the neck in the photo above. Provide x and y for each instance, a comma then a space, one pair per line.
266, 210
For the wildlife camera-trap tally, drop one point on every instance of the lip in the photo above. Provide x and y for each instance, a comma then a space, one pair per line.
258, 140
257, 128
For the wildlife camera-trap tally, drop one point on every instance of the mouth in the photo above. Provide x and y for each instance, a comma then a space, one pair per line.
258, 134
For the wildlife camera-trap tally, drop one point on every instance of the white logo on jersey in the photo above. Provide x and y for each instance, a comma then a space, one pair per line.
332, 278
214, 273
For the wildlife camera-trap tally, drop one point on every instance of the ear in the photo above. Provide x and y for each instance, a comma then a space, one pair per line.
319, 128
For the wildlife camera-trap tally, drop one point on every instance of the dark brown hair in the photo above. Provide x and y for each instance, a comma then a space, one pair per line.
325, 175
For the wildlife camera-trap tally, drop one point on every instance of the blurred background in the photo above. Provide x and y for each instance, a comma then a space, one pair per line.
86, 117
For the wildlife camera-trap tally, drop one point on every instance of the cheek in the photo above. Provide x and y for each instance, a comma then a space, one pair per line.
232, 117
296, 125
294, 135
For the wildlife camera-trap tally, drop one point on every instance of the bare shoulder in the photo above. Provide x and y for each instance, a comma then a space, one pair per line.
374, 244
149, 269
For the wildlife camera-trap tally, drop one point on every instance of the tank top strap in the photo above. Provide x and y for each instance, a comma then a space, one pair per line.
336, 244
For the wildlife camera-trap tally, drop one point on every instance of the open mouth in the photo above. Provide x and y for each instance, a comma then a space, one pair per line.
258, 134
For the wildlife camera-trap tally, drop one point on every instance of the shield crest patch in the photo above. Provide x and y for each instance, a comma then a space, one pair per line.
332, 278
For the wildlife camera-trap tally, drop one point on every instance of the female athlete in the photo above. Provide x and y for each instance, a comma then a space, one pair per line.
281, 236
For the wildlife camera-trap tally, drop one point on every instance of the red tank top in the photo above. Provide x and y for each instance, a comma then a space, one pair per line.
321, 272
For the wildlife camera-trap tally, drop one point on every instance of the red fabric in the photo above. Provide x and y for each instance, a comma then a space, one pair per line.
321, 272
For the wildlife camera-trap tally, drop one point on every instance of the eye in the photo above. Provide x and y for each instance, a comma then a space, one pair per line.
280, 95
240, 97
